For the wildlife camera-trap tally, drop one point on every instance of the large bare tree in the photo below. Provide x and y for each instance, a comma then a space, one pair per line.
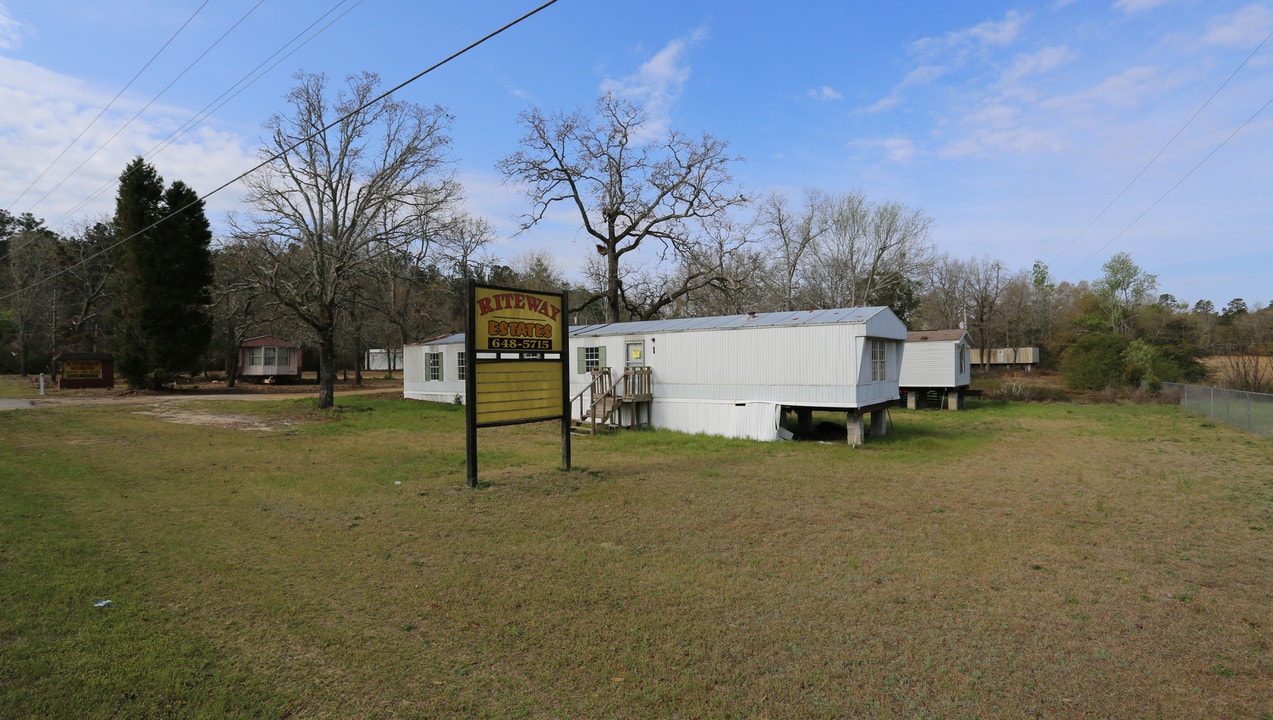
632, 189
331, 200
85, 262
865, 249
790, 234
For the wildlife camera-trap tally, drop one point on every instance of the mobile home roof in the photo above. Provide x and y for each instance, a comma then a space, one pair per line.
805, 317
770, 319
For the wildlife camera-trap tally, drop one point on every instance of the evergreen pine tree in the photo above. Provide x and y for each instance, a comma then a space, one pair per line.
163, 274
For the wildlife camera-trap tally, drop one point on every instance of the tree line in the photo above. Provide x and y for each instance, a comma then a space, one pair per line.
353, 235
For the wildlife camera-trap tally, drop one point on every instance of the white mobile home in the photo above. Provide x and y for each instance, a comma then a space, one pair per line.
383, 359
434, 370
733, 376
1025, 356
269, 359
936, 368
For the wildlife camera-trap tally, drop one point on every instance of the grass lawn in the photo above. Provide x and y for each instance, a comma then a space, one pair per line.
1010, 561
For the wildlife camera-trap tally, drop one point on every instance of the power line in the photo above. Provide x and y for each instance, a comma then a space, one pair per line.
149, 103
1154, 159
293, 146
225, 97
1171, 189
109, 104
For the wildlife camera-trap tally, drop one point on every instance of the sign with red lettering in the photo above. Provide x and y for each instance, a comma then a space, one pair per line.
516, 344
517, 320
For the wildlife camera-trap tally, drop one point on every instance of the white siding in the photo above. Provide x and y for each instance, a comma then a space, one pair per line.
379, 359
416, 386
754, 421
935, 364
929, 364
814, 365
733, 380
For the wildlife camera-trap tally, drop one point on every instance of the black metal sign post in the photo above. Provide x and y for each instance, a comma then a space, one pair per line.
470, 387
516, 348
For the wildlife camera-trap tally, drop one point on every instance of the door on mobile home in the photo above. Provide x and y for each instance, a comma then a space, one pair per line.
636, 353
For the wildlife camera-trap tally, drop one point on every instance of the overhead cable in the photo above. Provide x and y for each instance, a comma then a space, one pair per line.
293, 146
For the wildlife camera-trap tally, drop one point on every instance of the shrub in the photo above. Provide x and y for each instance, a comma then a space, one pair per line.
1094, 362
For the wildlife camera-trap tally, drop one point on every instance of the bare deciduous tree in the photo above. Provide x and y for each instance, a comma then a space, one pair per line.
31, 261
865, 249
85, 263
331, 200
790, 234
630, 191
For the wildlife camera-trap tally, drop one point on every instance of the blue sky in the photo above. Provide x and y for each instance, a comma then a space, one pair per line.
1014, 125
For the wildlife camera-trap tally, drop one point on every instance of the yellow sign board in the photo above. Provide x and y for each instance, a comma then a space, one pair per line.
518, 390
82, 369
516, 343
517, 320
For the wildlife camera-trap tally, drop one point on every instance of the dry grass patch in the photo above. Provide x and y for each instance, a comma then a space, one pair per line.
1008, 561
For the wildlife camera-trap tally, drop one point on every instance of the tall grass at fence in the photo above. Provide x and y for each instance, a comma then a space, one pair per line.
1252, 412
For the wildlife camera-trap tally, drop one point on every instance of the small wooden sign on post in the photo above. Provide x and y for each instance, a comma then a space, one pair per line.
516, 343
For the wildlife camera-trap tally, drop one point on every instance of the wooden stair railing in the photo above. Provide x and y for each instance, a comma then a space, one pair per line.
605, 396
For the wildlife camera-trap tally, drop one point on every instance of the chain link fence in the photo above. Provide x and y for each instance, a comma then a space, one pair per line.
1249, 411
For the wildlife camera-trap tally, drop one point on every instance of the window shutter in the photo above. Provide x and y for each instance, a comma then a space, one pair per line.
581, 366
601, 356
441, 366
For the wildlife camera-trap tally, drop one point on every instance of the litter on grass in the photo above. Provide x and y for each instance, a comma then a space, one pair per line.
101, 603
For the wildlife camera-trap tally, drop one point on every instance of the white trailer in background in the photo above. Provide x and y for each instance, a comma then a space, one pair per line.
936, 369
733, 375
434, 370
383, 359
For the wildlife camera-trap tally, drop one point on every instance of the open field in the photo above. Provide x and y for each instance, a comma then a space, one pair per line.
1015, 560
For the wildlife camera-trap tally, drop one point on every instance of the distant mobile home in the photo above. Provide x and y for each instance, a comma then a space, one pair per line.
1025, 356
268, 358
383, 359
434, 369
733, 376
936, 368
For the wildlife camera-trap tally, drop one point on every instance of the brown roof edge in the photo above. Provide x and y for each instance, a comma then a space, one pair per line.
935, 335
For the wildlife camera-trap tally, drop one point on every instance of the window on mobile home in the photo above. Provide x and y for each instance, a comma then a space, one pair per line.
434, 362
459, 368
879, 361
591, 358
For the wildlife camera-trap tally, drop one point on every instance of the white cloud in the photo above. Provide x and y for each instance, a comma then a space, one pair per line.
1135, 6
1047, 59
42, 111
826, 92
883, 104
658, 83
990, 33
1244, 28
938, 57
898, 149
1003, 32
11, 30
1128, 89
1000, 127
1019, 140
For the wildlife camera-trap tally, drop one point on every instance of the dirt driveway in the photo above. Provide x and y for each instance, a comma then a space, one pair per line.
168, 407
